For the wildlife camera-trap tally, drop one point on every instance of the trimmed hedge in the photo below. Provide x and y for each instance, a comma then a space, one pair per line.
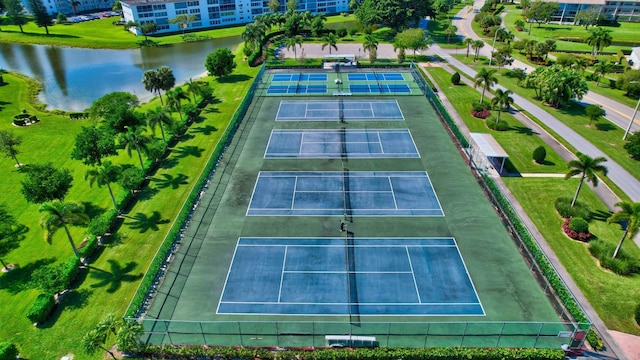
455, 78
57, 277
8, 351
580, 224
623, 264
539, 154
383, 353
41, 308
503, 125
564, 208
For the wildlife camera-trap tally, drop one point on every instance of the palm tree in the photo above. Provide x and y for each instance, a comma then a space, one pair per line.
602, 67
599, 38
370, 44
477, 45
134, 139
59, 215
174, 101
253, 33
586, 167
468, 42
157, 118
400, 48
292, 42
503, 100
166, 80
629, 213
194, 87
105, 175
485, 78
330, 40
580, 64
450, 31
151, 82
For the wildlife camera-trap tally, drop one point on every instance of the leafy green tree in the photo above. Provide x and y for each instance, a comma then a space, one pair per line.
370, 44
40, 14
292, 43
485, 78
455, 78
400, 48
147, 28
450, 31
106, 174
602, 68
121, 118
502, 56
519, 74
413, 39
9, 143
588, 17
44, 183
134, 139
633, 145
594, 112
92, 144
274, 6
629, 82
128, 335
220, 63
630, 214
183, 21
396, 14
158, 118
11, 233
131, 178
587, 168
61, 18
59, 215
108, 103
330, 40
117, 6
15, 13
599, 38
503, 35
556, 85
254, 33
292, 24
502, 100
292, 6
317, 24
540, 12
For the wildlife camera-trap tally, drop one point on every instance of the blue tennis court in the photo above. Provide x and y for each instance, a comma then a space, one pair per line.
299, 77
296, 89
333, 110
379, 88
375, 77
330, 193
343, 276
349, 143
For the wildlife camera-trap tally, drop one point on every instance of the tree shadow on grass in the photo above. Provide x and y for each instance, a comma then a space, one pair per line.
189, 150
114, 278
147, 193
233, 78
144, 223
605, 126
524, 130
169, 162
601, 215
77, 299
167, 180
211, 110
19, 279
205, 130
92, 210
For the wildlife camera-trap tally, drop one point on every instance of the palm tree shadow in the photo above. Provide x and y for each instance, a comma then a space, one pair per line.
145, 223
234, 78
77, 299
206, 130
92, 210
169, 162
114, 278
147, 193
524, 130
171, 181
605, 126
601, 215
19, 279
189, 150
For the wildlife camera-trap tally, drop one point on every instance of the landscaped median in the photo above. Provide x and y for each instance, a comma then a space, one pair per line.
109, 282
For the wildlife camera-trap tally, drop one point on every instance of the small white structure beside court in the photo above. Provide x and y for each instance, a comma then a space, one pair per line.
489, 148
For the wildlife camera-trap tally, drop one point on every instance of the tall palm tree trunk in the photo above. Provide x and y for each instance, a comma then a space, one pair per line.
575, 197
140, 157
107, 350
4, 266
162, 131
73, 245
624, 236
483, 90
113, 198
16, 160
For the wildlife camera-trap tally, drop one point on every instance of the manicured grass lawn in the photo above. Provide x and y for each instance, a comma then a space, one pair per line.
519, 141
614, 297
110, 281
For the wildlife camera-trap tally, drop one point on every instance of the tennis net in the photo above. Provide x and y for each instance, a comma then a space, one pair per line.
341, 110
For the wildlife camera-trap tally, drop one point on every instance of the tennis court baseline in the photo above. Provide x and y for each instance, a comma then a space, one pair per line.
296, 89
299, 77
330, 110
375, 76
362, 193
341, 143
379, 88
364, 276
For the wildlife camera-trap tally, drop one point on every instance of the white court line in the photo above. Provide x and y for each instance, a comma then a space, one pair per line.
344, 272
293, 195
393, 193
360, 303
380, 142
342, 246
413, 274
284, 261
464, 265
253, 192
226, 280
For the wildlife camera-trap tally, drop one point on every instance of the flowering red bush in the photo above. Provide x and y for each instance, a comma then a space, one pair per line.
481, 114
574, 234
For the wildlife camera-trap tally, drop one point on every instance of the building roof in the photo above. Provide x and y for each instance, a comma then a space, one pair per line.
488, 145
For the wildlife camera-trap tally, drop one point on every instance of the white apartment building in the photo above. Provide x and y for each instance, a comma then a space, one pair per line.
628, 11
214, 13
64, 6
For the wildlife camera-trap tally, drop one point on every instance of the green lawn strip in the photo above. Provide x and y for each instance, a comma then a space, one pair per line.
613, 297
518, 142
436, 28
113, 278
618, 95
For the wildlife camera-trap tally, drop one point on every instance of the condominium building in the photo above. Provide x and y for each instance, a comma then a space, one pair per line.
628, 10
213, 13
67, 6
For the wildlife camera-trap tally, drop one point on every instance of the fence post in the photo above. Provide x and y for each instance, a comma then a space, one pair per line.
240, 332
204, 338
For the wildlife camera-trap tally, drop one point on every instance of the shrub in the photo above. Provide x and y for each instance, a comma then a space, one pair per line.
57, 277
579, 224
89, 247
594, 340
564, 208
8, 351
500, 126
131, 178
455, 78
539, 154
352, 31
191, 110
482, 114
101, 224
577, 235
623, 264
342, 32
479, 106
637, 314
41, 308
633, 145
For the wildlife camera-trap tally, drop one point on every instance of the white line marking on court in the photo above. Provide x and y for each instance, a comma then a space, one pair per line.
228, 273
343, 271
413, 274
284, 261
293, 195
469, 277
393, 193
253, 192
301, 143
359, 304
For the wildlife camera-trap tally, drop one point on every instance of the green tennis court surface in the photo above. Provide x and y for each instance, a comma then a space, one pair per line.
219, 289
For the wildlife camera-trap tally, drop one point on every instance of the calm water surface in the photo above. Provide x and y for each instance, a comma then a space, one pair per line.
73, 78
